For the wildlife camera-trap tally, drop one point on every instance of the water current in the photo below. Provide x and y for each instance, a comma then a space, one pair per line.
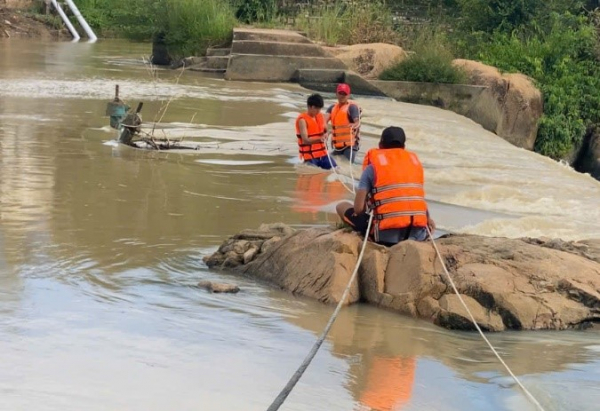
101, 246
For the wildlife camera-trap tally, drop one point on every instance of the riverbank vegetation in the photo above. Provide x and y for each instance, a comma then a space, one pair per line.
430, 60
555, 42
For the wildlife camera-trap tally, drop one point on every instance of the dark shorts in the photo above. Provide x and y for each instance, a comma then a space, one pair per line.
322, 162
360, 223
346, 153
357, 222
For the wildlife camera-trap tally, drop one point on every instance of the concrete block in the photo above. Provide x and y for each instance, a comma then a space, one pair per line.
459, 98
252, 67
277, 48
217, 62
360, 86
269, 35
319, 76
210, 52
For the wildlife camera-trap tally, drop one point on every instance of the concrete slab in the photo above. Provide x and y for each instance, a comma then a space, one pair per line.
240, 34
217, 62
210, 52
253, 67
326, 80
203, 69
278, 48
320, 75
459, 98
359, 85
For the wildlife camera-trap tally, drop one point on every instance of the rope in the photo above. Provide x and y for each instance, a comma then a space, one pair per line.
525, 390
352, 189
311, 354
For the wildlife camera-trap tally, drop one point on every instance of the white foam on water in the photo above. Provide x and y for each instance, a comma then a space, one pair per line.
233, 162
468, 166
148, 90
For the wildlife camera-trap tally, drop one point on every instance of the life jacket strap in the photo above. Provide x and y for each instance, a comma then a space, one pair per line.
377, 203
395, 186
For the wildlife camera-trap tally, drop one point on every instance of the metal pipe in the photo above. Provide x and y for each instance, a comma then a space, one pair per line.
66, 20
88, 30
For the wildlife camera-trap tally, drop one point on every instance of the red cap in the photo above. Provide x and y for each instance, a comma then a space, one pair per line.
343, 88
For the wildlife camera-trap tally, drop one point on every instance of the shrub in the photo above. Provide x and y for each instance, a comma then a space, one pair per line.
430, 61
348, 22
255, 11
187, 26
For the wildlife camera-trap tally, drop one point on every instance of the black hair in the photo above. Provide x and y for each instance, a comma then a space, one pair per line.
315, 100
391, 144
392, 137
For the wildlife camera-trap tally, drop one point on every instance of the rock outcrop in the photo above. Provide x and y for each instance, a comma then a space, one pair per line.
587, 159
526, 284
369, 60
510, 107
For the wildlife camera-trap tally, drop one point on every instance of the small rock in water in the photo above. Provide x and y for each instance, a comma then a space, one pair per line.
219, 287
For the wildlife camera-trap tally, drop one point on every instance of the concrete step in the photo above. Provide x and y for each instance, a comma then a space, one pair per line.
269, 35
217, 62
203, 69
259, 67
320, 75
326, 80
323, 80
278, 48
210, 52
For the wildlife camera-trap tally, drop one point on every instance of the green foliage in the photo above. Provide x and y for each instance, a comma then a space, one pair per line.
100, 14
190, 26
341, 23
186, 26
555, 42
507, 15
431, 61
563, 64
252, 11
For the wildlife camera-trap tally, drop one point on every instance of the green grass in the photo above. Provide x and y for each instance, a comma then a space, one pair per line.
430, 61
339, 23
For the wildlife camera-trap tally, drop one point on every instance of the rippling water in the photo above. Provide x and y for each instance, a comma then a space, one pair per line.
101, 245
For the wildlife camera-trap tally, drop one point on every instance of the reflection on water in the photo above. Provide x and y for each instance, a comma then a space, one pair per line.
315, 193
101, 245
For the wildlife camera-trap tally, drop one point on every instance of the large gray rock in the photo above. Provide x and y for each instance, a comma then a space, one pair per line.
523, 284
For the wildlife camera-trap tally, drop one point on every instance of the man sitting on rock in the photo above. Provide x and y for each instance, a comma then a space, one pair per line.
391, 186
311, 131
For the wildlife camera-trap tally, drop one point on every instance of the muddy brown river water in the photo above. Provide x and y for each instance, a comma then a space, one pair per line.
101, 245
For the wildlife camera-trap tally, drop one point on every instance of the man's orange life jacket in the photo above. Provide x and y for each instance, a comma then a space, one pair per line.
389, 383
366, 159
315, 126
342, 133
398, 197
313, 192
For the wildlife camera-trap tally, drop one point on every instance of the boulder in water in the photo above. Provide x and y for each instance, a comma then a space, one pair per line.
519, 284
214, 287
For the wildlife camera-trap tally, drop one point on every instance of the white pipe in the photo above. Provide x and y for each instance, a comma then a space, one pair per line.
84, 25
66, 20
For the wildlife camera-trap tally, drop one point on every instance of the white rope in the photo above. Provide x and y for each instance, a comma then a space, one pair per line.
525, 390
352, 189
279, 400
